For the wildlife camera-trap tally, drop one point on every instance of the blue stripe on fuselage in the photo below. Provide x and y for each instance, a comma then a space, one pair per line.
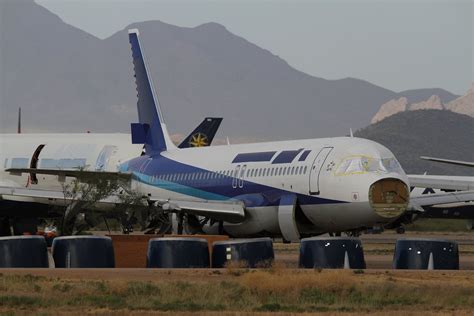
215, 187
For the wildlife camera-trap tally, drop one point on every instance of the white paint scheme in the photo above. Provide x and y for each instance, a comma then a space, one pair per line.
86, 146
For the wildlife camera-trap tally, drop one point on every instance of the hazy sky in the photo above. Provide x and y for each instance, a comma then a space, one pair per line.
398, 45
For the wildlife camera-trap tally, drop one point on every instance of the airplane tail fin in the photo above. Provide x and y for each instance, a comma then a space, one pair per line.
151, 129
202, 135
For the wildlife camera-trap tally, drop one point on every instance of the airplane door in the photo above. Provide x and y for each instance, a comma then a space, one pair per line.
104, 157
316, 170
241, 177
235, 177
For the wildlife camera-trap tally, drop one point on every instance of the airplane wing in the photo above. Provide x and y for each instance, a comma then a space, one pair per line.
80, 174
229, 211
417, 203
458, 183
49, 197
453, 162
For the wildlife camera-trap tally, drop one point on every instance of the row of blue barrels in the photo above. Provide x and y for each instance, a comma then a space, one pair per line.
175, 252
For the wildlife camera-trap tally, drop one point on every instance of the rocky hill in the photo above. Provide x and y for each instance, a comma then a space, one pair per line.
463, 105
437, 133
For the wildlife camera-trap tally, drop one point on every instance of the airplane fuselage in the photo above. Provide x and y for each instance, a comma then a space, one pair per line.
333, 194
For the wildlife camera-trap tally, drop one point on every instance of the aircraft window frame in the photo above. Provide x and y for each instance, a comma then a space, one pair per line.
365, 164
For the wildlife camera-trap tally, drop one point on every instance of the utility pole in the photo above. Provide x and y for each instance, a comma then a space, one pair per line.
19, 120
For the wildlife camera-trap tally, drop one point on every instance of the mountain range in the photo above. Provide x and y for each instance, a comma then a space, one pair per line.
67, 80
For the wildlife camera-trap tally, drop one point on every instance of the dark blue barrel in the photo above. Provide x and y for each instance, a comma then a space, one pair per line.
417, 253
23, 252
83, 252
331, 253
251, 253
177, 252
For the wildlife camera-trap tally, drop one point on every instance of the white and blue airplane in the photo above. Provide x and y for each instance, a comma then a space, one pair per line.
290, 188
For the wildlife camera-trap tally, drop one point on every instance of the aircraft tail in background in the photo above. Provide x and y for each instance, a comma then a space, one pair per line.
202, 135
151, 129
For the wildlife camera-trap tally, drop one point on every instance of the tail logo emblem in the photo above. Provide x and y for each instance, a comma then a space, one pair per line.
198, 140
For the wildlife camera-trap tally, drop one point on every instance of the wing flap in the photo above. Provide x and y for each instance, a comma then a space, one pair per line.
232, 212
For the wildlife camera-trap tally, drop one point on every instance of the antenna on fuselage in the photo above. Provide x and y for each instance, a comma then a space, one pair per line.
350, 130
19, 120
228, 141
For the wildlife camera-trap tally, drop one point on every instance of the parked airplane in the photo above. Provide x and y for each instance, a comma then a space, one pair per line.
433, 184
290, 188
99, 152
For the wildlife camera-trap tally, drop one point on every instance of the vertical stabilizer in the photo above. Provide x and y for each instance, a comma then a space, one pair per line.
202, 135
151, 130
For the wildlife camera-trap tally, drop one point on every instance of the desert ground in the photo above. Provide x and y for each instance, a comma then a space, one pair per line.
282, 289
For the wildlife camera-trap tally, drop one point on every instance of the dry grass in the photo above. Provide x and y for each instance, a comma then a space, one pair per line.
249, 291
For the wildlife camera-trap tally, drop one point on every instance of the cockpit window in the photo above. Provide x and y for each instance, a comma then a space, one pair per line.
363, 164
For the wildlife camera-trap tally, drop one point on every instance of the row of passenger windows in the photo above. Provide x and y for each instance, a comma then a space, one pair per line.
275, 171
47, 163
236, 173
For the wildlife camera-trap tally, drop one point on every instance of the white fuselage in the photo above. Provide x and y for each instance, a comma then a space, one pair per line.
328, 175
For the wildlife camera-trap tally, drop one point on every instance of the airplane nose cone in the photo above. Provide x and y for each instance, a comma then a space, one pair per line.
389, 197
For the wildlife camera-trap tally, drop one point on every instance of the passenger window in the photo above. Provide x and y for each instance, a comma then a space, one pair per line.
305, 169
292, 170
